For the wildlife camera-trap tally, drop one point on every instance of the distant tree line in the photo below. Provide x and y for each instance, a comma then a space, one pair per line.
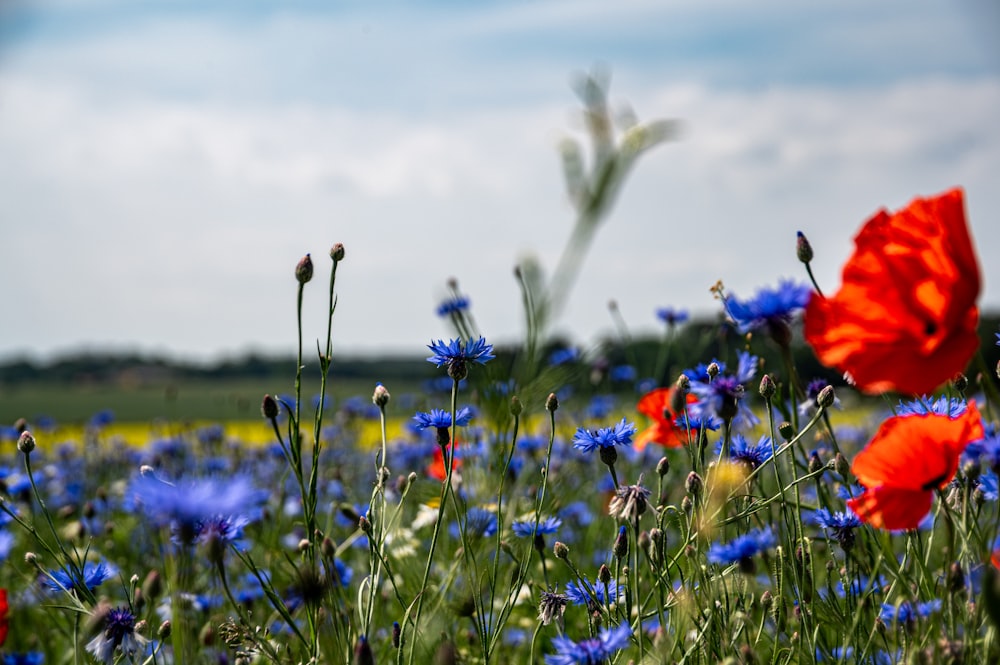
697, 341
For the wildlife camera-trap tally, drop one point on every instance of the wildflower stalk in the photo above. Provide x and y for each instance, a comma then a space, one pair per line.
449, 463
494, 575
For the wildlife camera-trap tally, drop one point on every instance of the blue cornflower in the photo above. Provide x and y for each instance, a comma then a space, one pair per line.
907, 613
438, 418
986, 450
623, 374
988, 484
752, 455
523, 528
6, 544
742, 549
841, 525
591, 651
671, 316
952, 407
453, 305
696, 422
457, 356
858, 585
700, 371
94, 574
606, 437
584, 594
600, 406
118, 634
722, 396
192, 502
769, 308
563, 356
846, 655
28, 658
478, 522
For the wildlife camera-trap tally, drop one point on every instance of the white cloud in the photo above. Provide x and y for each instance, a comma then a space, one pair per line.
162, 194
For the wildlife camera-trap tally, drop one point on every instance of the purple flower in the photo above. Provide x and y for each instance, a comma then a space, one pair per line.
454, 351
671, 316
840, 525
118, 634
92, 576
524, 528
453, 306
591, 651
722, 397
606, 437
741, 549
752, 455
769, 308
438, 418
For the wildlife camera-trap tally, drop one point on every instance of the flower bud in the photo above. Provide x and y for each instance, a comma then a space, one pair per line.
515, 406
328, 548
767, 387
363, 652
561, 550
815, 463
552, 402
397, 633
269, 407
304, 270
604, 574
961, 383
694, 484
826, 397
712, 370
663, 467
20, 425
841, 464
26, 442
337, 252
381, 396
786, 430
620, 548
163, 632
803, 250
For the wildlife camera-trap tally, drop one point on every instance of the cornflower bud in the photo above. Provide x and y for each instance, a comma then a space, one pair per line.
337, 252
644, 541
163, 632
304, 270
363, 652
20, 425
515, 406
604, 574
620, 548
826, 397
381, 396
841, 464
663, 467
803, 250
561, 550
712, 370
269, 407
767, 387
26, 442
961, 383
786, 430
694, 484
552, 402
815, 463
397, 633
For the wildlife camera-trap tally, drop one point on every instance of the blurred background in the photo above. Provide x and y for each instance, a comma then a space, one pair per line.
165, 164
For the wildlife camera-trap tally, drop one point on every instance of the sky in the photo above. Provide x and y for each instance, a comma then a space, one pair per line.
165, 164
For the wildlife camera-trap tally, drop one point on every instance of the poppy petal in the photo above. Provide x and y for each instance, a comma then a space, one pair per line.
905, 317
891, 508
917, 452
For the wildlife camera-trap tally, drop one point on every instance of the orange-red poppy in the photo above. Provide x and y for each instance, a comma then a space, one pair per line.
907, 459
905, 317
656, 405
436, 469
4, 619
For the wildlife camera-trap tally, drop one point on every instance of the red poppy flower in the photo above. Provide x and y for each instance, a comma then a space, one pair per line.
905, 317
656, 405
907, 459
4, 619
436, 468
